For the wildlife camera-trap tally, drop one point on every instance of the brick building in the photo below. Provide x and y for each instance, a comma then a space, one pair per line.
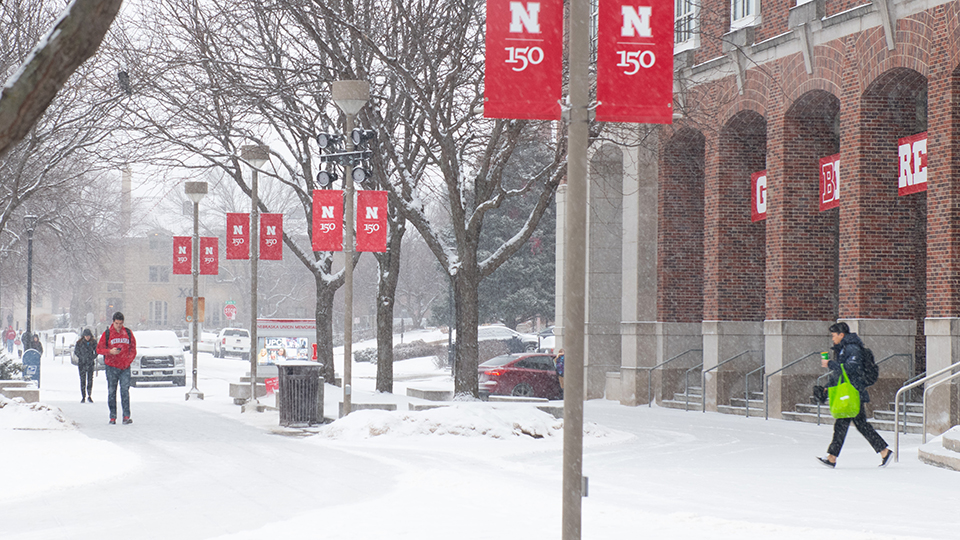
679, 270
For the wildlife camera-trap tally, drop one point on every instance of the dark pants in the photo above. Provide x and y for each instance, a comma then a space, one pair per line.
86, 378
121, 376
841, 425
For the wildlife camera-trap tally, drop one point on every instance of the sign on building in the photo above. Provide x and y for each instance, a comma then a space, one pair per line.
829, 182
913, 164
758, 196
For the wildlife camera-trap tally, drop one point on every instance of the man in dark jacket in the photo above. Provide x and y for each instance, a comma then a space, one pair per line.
86, 352
848, 352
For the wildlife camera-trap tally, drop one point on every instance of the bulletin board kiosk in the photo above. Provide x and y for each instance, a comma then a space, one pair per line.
285, 339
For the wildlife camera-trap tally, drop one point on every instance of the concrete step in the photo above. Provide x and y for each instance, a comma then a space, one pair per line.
810, 418
808, 408
912, 407
943, 453
694, 405
885, 425
741, 411
912, 418
754, 403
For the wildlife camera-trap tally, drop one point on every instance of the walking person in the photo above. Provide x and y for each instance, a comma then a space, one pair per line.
9, 335
34, 343
558, 360
119, 348
848, 353
86, 352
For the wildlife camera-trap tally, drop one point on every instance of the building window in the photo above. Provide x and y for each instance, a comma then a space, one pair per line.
685, 25
159, 274
743, 13
157, 313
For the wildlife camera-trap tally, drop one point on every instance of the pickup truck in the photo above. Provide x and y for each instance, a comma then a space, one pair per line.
232, 341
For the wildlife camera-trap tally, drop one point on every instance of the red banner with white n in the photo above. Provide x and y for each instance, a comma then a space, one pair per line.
209, 255
271, 237
238, 236
523, 71
372, 221
327, 220
182, 254
635, 61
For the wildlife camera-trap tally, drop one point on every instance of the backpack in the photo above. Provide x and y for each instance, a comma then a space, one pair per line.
870, 370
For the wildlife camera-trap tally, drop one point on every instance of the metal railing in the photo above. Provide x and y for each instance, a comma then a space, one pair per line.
766, 382
746, 387
896, 406
686, 387
827, 374
703, 374
649, 370
927, 389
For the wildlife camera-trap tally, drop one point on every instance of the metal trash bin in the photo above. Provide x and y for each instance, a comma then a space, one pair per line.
300, 395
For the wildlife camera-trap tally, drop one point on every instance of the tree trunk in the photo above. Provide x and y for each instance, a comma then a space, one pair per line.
324, 317
466, 381
389, 268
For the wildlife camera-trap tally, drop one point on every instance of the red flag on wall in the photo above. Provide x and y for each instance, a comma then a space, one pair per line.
372, 221
635, 61
209, 255
182, 254
524, 59
271, 237
829, 182
758, 196
327, 220
238, 236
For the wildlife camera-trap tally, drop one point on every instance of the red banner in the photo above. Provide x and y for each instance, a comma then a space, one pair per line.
635, 61
829, 182
913, 164
182, 255
372, 221
238, 236
758, 196
524, 59
271, 237
209, 255
327, 220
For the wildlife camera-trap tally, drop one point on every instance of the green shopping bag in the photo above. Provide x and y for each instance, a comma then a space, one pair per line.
844, 397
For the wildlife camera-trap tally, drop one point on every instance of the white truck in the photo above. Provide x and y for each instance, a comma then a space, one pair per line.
232, 341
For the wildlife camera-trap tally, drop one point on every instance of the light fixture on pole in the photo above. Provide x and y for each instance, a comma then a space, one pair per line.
257, 156
195, 191
29, 223
350, 97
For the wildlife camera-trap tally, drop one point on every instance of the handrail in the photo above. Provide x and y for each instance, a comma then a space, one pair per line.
766, 383
896, 405
878, 364
925, 390
703, 374
686, 387
905, 397
650, 372
746, 388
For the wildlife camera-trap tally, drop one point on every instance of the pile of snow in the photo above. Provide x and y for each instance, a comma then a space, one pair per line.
17, 414
475, 419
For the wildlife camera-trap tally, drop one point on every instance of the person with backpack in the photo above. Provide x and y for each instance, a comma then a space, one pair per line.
86, 352
850, 356
119, 348
10, 335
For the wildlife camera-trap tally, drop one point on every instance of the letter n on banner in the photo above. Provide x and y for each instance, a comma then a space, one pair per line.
372, 221
829, 182
182, 255
209, 255
238, 236
635, 61
327, 220
758, 196
271, 237
523, 71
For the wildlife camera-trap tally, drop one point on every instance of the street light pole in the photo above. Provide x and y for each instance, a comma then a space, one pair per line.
30, 223
195, 192
350, 97
257, 156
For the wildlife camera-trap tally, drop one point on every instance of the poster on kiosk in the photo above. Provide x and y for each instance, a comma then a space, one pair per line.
285, 339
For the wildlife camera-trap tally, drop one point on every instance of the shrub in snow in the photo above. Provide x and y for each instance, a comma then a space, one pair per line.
365, 355
10, 369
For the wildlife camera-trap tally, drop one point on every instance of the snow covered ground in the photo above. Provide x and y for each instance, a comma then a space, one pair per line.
201, 469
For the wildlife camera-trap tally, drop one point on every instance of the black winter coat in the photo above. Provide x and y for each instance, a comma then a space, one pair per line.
849, 353
86, 352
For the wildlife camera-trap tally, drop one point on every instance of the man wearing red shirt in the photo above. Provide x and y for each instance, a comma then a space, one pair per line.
118, 348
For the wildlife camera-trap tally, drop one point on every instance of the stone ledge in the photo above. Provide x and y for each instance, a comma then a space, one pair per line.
951, 439
430, 394
354, 407
29, 395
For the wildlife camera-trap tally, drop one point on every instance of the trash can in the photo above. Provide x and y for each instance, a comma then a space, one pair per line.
300, 396
31, 366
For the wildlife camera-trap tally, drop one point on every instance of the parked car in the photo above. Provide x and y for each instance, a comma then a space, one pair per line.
547, 340
527, 342
528, 375
207, 342
159, 358
232, 341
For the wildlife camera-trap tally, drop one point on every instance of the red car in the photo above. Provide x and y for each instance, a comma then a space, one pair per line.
533, 375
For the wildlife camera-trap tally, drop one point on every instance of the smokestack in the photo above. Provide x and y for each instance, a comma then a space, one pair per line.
125, 200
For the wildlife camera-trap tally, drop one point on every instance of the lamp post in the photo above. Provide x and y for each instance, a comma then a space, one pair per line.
257, 156
195, 192
29, 223
350, 97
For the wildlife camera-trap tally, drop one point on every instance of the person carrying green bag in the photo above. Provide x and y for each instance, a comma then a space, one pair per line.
846, 366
